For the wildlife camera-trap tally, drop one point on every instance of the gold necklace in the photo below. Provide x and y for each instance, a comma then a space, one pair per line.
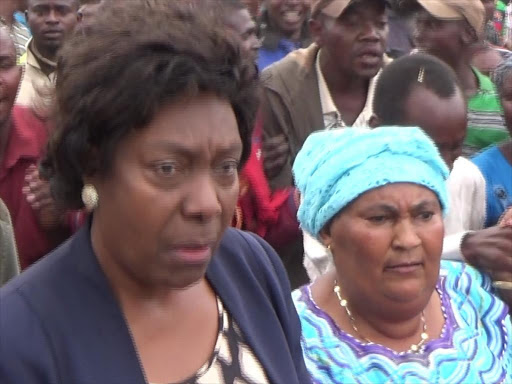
344, 304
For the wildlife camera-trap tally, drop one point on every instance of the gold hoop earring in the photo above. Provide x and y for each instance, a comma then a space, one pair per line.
90, 197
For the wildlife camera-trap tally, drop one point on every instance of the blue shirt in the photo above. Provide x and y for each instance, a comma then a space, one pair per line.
267, 56
497, 172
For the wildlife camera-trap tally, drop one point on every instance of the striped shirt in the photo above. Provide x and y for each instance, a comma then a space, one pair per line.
19, 34
486, 126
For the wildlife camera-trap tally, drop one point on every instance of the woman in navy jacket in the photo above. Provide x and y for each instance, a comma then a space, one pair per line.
154, 113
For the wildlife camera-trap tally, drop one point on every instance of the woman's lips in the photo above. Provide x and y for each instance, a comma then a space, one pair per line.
193, 254
404, 267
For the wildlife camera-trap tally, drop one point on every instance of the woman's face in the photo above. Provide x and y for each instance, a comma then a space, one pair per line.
387, 245
171, 193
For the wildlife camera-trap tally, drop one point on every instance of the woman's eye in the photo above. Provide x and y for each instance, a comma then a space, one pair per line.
229, 168
426, 215
378, 219
166, 169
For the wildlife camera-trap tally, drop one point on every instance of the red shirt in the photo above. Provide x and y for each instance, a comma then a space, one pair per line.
25, 146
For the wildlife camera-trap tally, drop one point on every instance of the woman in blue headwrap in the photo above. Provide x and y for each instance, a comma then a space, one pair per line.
391, 311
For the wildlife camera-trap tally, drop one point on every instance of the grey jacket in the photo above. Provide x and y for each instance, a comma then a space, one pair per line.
9, 266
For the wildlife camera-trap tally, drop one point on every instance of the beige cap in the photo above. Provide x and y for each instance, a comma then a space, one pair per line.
332, 8
471, 10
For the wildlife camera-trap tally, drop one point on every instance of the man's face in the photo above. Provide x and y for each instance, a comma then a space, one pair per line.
288, 16
10, 76
242, 23
356, 41
51, 21
440, 38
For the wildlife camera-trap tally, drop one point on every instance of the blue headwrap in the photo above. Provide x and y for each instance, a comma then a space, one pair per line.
335, 167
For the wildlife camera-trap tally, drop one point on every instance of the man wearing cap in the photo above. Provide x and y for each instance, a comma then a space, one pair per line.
327, 85
449, 29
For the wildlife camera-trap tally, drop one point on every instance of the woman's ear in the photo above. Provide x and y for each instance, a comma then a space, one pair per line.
374, 121
325, 235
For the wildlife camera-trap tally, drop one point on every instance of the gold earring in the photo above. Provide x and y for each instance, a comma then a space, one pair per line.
90, 197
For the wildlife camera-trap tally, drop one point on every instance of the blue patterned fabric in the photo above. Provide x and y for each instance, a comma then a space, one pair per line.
474, 346
335, 167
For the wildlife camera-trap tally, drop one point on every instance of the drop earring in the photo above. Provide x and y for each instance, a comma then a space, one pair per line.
90, 197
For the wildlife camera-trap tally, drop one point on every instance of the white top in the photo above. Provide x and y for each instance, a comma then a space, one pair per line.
466, 188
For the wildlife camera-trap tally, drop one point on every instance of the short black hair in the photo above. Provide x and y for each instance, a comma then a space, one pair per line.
87, 2
75, 3
232, 4
398, 79
138, 56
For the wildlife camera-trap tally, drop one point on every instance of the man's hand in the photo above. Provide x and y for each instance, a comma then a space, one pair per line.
275, 155
37, 194
489, 249
505, 294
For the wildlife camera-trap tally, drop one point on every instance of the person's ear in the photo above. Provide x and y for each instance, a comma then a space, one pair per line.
374, 121
316, 29
468, 35
325, 236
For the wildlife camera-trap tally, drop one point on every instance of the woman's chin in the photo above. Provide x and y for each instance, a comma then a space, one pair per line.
407, 291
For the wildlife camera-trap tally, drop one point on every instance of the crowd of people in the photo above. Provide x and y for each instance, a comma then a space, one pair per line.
255, 191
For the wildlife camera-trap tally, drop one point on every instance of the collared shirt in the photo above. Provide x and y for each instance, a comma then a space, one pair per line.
35, 82
26, 142
332, 117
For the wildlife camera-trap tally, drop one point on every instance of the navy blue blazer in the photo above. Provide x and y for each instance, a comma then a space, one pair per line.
60, 322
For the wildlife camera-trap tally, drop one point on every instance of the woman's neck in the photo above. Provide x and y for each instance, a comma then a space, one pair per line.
397, 326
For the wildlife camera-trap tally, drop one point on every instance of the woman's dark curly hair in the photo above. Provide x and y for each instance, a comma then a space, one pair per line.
139, 55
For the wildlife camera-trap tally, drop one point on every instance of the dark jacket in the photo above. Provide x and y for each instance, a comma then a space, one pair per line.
60, 322
291, 104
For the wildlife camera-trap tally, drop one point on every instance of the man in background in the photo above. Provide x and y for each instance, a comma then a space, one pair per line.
449, 31
50, 21
237, 17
